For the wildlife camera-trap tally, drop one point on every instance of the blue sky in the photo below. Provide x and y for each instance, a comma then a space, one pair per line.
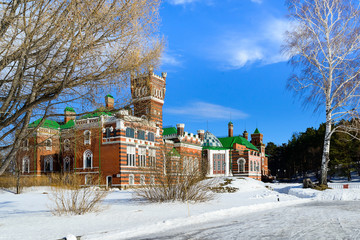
223, 61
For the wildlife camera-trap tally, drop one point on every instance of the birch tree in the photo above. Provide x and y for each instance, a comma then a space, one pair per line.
53, 52
324, 48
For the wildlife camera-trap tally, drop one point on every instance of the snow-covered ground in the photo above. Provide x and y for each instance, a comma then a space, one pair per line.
26, 216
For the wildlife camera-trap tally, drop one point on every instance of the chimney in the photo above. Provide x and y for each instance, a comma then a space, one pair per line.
245, 135
164, 75
231, 129
180, 129
69, 113
201, 134
109, 102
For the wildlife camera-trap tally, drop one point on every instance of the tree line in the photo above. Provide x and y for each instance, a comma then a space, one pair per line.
301, 156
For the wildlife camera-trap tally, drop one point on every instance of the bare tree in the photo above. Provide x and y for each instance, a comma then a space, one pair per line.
324, 47
53, 52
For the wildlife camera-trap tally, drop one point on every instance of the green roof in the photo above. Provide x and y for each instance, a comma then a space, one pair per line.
67, 125
69, 109
214, 148
230, 123
96, 114
257, 131
46, 124
174, 153
228, 142
109, 96
169, 131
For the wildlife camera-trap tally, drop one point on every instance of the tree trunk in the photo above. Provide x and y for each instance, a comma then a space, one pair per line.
326, 151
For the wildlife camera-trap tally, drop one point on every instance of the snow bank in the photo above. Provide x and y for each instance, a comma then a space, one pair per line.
328, 194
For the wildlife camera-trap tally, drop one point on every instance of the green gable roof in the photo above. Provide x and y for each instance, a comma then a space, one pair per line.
96, 114
228, 142
46, 124
67, 125
69, 109
257, 131
109, 96
169, 131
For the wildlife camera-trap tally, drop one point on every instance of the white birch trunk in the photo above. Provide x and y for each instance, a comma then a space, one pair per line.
326, 151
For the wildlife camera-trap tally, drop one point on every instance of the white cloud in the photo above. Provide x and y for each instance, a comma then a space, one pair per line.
261, 45
207, 111
170, 60
180, 2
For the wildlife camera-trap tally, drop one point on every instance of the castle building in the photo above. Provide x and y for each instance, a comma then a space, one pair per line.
130, 147
235, 155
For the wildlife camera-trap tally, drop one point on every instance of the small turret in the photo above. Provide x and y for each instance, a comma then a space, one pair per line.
231, 129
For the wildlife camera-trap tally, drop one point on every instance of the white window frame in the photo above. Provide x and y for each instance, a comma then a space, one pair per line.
47, 147
88, 180
152, 158
26, 164
142, 180
131, 156
152, 180
50, 160
66, 144
131, 179
241, 165
142, 157
87, 133
87, 153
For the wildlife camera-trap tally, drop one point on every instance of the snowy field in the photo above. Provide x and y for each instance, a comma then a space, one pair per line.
255, 205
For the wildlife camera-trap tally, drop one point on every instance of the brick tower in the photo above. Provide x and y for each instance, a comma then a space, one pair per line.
257, 140
148, 93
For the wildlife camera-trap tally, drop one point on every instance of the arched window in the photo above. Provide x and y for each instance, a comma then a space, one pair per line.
66, 144
251, 166
88, 159
258, 167
66, 164
131, 179
26, 165
87, 137
142, 180
241, 165
48, 164
48, 144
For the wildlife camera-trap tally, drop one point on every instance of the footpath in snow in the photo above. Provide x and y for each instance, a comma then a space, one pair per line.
123, 217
